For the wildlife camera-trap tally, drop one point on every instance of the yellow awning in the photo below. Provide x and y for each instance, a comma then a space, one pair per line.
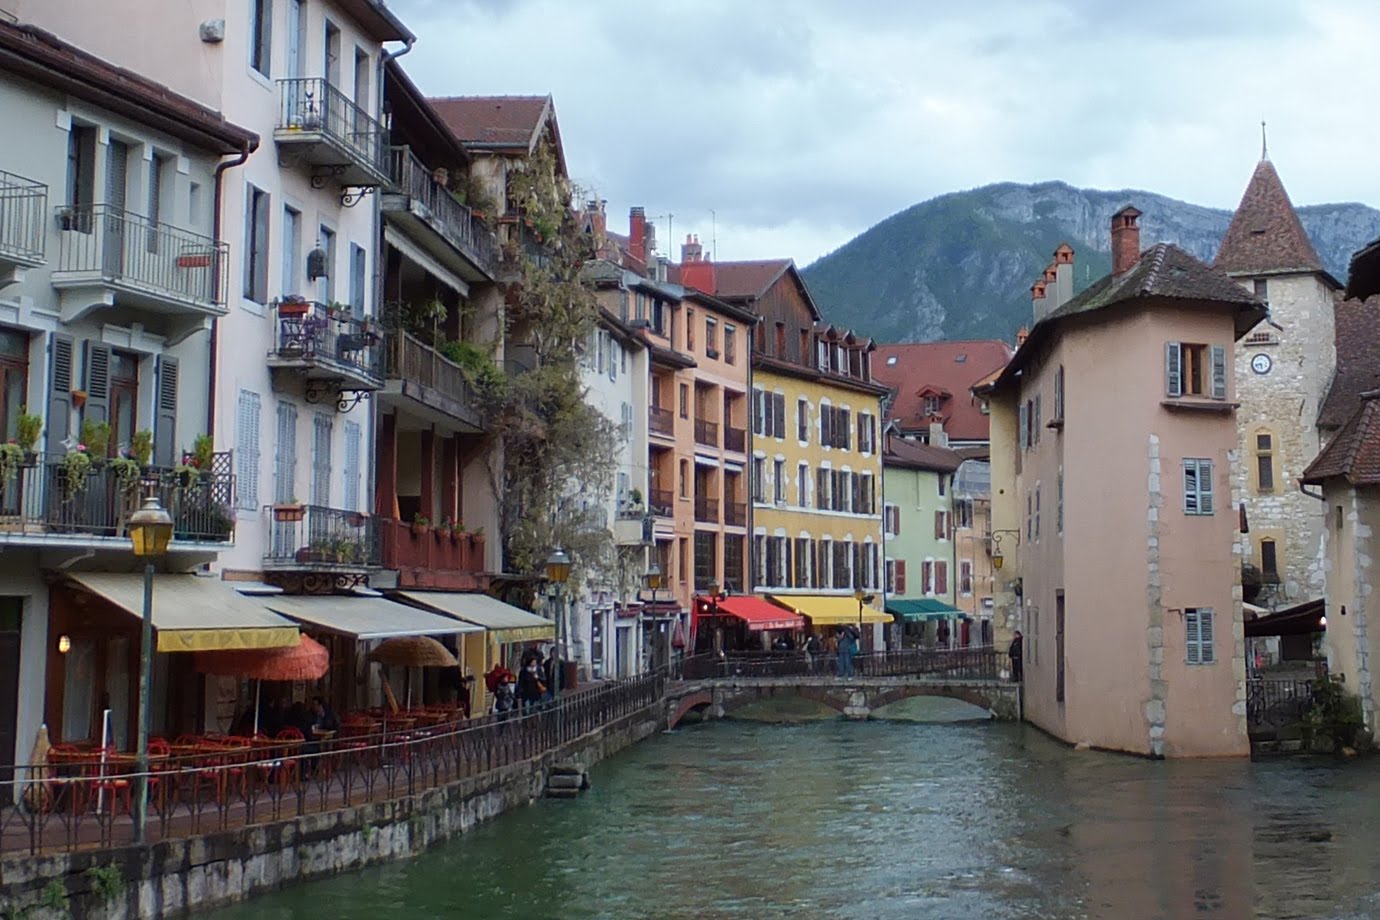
364, 617
193, 613
504, 622
830, 609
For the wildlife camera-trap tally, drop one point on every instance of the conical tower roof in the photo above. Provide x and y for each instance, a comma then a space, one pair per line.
1266, 236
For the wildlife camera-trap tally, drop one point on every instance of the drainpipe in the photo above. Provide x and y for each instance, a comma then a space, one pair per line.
1303, 487
214, 344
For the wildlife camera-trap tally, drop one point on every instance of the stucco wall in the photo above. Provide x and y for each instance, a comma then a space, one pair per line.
916, 494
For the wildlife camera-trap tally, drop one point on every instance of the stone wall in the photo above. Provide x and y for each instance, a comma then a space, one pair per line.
177, 877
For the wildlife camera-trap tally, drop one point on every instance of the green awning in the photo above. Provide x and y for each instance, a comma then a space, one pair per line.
920, 609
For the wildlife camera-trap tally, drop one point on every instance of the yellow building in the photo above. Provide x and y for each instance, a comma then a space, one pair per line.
815, 463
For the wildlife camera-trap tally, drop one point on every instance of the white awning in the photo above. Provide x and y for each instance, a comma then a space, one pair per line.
506, 622
193, 613
364, 617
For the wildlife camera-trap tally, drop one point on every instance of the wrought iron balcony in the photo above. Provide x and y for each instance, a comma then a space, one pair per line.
735, 514
336, 352
418, 200
422, 381
50, 499
109, 257
321, 538
707, 510
706, 433
322, 127
23, 221
662, 501
735, 439
661, 421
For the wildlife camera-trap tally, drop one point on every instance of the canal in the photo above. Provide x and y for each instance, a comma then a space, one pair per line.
895, 820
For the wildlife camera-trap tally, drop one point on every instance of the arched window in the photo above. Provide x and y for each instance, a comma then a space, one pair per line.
1264, 461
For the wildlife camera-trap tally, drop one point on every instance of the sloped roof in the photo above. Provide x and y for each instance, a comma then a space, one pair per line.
748, 279
1363, 275
913, 455
1354, 452
1265, 235
1358, 359
499, 121
953, 367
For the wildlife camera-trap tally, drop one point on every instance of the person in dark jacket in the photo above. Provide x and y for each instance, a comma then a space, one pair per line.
530, 688
1017, 653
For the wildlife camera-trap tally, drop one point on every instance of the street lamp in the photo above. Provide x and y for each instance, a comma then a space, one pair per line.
558, 573
997, 557
653, 579
150, 530
862, 598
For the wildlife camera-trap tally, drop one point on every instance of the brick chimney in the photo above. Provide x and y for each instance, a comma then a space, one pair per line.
637, 233
597, 219
695, 270
1063, 272
1125, 240
1039, 302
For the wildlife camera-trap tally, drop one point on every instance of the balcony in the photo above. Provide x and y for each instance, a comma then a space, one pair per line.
109, 257
447, 229
422, 382
319, 126
46, 503
23, 226
661, 421
427, 557
707, 510
334, 352
317, 538
662, 502
633, 527
706, 433
735, 514
735, 440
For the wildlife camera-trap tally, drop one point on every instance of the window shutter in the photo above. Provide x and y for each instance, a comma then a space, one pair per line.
941, 577
826, 420
927, 577
896, 520
1219, 372
857, 493
165, 422
779, 412
756, 411
1024, 427
58, 418
821, 489
1207, 652
285, 475
1173, 369
939, 525
1059, 393
247, 451
802, 422
1035, 424
1190, 487
1205, 487
97, 408
900, 570
1193, 641
837, 492
353, 439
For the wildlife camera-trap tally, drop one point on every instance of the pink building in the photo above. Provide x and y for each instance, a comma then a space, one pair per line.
1113, 442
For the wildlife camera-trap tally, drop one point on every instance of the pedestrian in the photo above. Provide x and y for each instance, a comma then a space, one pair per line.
831, 649
530, 687
848, 646
551, 672
812, 650
943, 634
1017, 654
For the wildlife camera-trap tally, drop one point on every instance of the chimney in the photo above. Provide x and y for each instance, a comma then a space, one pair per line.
1063, 275
597, 219
1021, 336
695, 270
938, 438
1125, 240
1039, 302
637, 233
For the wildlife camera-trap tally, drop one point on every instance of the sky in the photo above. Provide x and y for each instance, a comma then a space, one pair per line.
773, 128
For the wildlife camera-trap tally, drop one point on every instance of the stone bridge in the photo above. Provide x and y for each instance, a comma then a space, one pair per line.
853, 698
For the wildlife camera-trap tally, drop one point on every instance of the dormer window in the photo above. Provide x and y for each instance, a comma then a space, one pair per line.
932, 405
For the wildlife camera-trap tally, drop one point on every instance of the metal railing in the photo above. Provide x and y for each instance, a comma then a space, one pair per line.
23, 218
735, 514
706, 432
661, 421
409, 358
661, 501
707, 510
735, 439
1275, 702
319, 334
313, 105
975, 663
129, 249
47, 496
441, 209
83, 801
315, 535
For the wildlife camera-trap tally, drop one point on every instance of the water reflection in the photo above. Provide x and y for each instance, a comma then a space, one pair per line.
895, 820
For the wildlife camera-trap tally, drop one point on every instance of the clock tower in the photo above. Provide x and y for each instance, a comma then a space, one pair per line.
1283, 370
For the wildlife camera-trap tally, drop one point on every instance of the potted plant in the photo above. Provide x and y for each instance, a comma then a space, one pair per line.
203, 450
11, 459
128, 473
355, 519
96, 437
76, 466
78, 398
184, 474
420, 523
293, 305
289, 512
29, 428
444, 529
141, 447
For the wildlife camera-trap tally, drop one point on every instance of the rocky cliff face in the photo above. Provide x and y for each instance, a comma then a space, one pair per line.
960, 266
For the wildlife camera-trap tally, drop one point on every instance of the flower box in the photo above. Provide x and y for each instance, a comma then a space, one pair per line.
194, 260
288, 514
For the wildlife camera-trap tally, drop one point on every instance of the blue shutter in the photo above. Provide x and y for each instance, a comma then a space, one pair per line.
1219, 372
1190, 487
1205, 487
352, 461
165, 421
58, 418
1207, 652
247, 450
1173, 369
1193, 638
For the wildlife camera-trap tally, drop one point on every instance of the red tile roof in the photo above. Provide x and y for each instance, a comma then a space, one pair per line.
913, 455
747, 279
494, 121
951, 366
1265, 235
1358, 359
1354, 452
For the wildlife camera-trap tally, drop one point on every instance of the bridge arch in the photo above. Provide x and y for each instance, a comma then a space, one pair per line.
740, 697
698, 701
974, 696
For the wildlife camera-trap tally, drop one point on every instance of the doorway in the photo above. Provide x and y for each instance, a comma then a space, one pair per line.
11, 615
1059, 646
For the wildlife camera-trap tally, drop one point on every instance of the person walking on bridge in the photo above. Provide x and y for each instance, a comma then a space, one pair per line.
848, 646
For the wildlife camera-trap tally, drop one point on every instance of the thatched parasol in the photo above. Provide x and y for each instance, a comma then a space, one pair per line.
413, 652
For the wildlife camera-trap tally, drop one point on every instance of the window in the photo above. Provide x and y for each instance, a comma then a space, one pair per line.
689, 329
292, 245
927, 576
891, 577
780, 340
1262, 289
730, 344
963, 513
260, 35
332, 54
706, 558
1197, 486
1199, 628
1269, 560
247, 451
759, 476
685, 479
353, 442
122, 392
683, 570
285, 459
733, 562
1195, 370
81, 175
326, 283
158, 164
1023, 429
1059, 395
931, 405
779, 474
759, 411
801, 563
941, 577
1029, 516
14, 381
759, 560
684, 400
865, 497
1037, 512
358, 274
1059, 504
658, 317
823, 492
1264, 462
802, 420
941, 525
802, 485
711, 336
362, 69
322, 429
943, 484
965, 577
256, 245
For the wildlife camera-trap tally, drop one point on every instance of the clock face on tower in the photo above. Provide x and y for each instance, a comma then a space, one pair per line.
1261, 364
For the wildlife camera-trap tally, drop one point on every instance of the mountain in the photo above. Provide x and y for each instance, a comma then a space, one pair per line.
960, 266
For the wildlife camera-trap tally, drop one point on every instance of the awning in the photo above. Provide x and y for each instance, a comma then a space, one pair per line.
506, 622
195, 614
759, 613
1300, 620
363, 617
830, 609
920, 609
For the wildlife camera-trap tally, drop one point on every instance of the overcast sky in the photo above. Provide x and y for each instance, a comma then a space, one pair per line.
802, 123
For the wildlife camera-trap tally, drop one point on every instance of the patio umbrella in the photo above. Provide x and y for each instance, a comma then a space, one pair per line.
413, 652
307, 660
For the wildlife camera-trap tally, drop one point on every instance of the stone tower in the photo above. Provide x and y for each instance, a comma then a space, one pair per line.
1283, 371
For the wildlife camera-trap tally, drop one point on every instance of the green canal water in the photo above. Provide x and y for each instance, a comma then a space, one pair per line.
895, 820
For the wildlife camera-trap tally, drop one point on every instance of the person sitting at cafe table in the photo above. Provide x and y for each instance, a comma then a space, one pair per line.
324, 718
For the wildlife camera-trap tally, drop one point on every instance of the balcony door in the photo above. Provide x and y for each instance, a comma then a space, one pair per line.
116, 192
295, 52
124, 399
11, 610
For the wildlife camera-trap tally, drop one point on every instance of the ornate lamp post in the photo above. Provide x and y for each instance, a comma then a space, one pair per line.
863, 599
150, 529
558, 573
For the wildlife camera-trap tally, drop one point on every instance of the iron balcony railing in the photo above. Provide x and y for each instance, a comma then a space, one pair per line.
735, 439
706, 433
707, 510
409, 358
735, 514
23, 218
329, 336
661, 421
661, 502
50, 496
318, 536
440, 208
128, 249
313, 105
